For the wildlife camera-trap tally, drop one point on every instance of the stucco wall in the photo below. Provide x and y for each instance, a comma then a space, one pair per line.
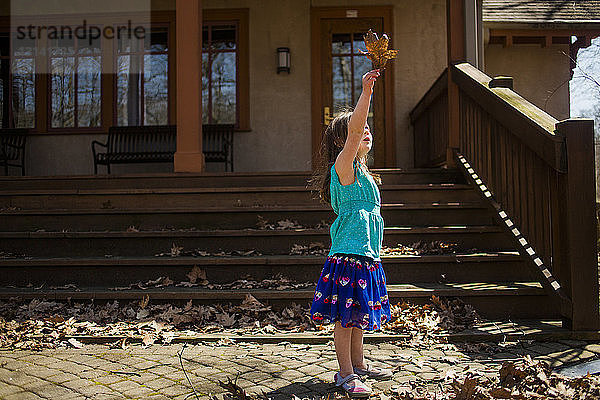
540, 74
280, 105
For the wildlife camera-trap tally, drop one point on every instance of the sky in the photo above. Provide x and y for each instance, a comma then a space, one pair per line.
585, 93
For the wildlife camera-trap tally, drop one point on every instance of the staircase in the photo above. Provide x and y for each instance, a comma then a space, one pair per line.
100, 232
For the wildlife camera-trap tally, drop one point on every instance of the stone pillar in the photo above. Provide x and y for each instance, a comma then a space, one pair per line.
188, 19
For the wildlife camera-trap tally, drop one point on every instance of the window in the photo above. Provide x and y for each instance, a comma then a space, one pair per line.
225, 67
75, 68
348, 65
142, 79
17, 83
219, 73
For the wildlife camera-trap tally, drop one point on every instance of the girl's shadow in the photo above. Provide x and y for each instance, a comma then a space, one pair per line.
311, 389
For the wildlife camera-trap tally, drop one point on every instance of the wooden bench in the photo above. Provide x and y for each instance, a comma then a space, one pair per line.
217, 144
12, 148
158, 143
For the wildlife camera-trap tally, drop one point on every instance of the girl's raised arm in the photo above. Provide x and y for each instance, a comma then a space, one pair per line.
356, 128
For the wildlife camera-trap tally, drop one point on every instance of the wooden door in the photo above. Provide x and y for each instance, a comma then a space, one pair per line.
342, 67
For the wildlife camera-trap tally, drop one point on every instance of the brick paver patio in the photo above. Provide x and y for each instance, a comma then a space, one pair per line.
280, 370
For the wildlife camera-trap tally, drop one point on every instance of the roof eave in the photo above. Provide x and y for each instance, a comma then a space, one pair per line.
522, 24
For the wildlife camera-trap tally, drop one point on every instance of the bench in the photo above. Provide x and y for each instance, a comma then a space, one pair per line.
217, 144
158, 143
12, 148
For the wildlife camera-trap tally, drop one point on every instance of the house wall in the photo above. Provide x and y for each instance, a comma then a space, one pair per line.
540, 74
280, 104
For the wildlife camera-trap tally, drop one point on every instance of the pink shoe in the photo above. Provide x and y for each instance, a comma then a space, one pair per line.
352, 385
374, 372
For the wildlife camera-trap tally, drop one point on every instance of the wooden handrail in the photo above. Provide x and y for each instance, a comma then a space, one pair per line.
538, 173
533, 126
429, 119
437, 89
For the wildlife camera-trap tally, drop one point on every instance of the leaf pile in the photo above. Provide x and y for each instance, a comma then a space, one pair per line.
421, 248
177, 251
197, 277
525, 379
424, 322
8, 254
313, 249
286, 224
40, 323
44, 324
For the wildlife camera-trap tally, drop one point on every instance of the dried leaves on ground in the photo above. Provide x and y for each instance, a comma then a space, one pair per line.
525, 379
40, 323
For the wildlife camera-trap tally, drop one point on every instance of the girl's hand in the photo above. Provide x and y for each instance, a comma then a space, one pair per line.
368, 80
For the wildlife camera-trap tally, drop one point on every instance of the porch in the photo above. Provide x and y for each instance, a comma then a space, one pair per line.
469, 163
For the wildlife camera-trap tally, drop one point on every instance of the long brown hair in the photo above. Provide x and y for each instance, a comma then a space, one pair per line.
332, 143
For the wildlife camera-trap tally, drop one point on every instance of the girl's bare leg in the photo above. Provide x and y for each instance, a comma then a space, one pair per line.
342, 341
356, 349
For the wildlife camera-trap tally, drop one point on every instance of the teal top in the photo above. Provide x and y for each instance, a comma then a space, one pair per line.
358, 228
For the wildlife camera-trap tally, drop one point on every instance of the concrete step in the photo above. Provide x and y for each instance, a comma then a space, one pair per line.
123, 243
131, 198
491, 300
483, 331
200, 217
122, 271
393, 176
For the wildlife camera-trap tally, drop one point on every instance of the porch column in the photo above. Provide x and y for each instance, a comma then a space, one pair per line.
455, 36
188, 19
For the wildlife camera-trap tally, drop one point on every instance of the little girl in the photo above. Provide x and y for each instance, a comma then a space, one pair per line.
351, 290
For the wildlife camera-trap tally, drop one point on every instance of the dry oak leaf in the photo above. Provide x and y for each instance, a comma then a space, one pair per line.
197, 274
377, 49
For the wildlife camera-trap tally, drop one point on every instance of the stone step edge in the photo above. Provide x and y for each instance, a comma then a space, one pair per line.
369, 338
186, 175
253, 260
425, 290
213, 190
396, 230
261, 208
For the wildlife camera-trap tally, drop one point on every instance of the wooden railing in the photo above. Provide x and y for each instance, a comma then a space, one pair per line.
430, 122
538, 174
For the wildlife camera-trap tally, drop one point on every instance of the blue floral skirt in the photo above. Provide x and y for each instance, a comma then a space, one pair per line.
351, 289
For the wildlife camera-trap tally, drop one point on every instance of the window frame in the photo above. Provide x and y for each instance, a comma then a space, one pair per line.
170, 73
10, 32
48, 97
238, 16
211, 55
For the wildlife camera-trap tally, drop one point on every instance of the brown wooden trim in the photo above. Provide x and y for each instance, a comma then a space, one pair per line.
108, 79
543, 37
241, 16
534, 126
172, 71
438, 87
545, 32
316, 15
107, 85
455, 37
581, 221
547, 279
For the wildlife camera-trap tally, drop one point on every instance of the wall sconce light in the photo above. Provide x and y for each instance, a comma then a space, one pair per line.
283, 59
